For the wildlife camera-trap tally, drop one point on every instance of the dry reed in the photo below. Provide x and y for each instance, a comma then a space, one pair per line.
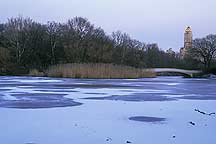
35, 72
96, 71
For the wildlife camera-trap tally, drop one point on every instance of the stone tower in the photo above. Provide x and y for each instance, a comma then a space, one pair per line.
188, 38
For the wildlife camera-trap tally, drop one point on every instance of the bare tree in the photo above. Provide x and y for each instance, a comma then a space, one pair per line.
204, 50
4, 56
16, 32
53, 32
77, 32
122, 43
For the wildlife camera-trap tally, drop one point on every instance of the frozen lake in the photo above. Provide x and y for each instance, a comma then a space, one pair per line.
163, 110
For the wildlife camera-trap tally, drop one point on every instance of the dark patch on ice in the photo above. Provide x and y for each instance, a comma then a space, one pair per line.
7, 82
13, 85
198, 97
147, 119
37, 101
38, 104
192, 123
204, 113
56, 90
91, 86
127, 90
97, 93
1, 96
14, 92
48, 87
134, 97
39, 95
2, 90
65, 86
108, 139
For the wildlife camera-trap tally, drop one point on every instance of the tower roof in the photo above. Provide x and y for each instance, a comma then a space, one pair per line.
188, 29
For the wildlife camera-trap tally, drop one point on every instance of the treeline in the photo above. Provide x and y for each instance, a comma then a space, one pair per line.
204, 53
26, 44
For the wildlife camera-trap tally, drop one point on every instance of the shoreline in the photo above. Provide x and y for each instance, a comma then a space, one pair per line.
201, 77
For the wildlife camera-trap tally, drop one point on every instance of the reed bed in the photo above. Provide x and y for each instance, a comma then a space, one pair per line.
96, 71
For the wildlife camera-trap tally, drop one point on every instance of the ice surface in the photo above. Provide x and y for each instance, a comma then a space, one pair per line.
95, 121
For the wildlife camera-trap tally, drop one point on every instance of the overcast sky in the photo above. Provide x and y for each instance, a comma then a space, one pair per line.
161, 21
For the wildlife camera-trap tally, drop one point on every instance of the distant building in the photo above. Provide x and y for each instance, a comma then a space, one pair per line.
188, 38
